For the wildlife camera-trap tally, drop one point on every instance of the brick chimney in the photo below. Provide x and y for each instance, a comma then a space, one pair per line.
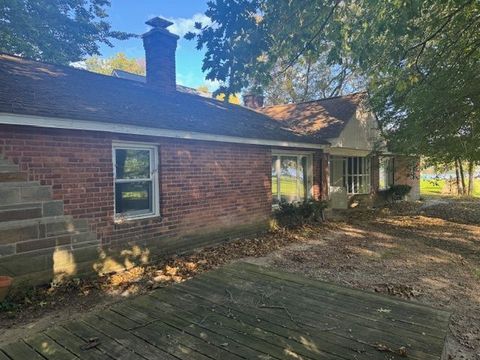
253, 101
160, 46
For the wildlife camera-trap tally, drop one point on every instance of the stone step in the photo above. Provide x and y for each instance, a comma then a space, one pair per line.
34, 229
70, 241
23, 192
31, 210
5, 168
18, 184
13, 176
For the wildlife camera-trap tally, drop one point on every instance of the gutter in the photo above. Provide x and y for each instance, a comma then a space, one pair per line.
71, 124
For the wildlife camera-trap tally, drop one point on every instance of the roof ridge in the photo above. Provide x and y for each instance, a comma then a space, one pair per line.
319, 100
67, 67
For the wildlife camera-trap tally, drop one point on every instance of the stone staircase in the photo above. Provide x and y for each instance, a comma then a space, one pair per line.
31, 222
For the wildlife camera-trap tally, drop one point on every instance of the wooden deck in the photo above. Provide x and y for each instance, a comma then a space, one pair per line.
243, 311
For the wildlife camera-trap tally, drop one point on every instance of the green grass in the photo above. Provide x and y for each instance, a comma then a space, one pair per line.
436, 188
476, 273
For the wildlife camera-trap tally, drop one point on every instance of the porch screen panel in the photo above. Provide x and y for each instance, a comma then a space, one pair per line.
351, 173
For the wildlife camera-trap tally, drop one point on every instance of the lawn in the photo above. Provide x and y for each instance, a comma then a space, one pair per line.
441, 188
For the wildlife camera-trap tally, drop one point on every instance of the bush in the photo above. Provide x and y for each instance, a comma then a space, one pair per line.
398, 192
292, 215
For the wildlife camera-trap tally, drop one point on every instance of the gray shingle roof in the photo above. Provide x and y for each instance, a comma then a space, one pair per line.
321, 119
33, 88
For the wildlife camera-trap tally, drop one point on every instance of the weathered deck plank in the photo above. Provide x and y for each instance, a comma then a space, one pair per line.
243, 311
20, 350
341, 325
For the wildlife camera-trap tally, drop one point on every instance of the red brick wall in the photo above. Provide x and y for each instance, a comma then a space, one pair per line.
204, 186
407, 172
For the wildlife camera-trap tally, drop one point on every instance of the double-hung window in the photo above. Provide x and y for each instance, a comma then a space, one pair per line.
291, 177
136, 180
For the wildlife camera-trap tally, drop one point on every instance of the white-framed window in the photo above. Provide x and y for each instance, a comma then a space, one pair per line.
385, 173
352, 173
135, 168
291, 176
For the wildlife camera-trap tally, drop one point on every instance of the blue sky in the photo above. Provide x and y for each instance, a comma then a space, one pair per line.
130, 16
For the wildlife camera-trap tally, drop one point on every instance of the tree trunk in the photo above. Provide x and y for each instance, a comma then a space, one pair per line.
457, 176
462, 176
471, 168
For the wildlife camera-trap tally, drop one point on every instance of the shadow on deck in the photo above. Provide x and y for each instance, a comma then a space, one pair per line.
243, 311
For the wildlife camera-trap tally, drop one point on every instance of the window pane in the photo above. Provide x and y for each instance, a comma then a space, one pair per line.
274, 180
302, 178
288, 178
132, 164
133, 197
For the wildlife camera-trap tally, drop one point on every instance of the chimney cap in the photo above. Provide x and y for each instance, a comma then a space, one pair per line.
159, 23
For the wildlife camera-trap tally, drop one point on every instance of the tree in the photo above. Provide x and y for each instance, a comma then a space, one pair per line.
119, 61
311, 78
57, 31
232, 99
419, 59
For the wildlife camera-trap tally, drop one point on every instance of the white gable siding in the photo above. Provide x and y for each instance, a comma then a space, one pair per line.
360, 133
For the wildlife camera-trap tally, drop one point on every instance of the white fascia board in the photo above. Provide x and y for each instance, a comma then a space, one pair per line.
71, 124
348, 151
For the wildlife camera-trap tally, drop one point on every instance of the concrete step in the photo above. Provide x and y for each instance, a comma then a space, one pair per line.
31, 210
35, 229
14, 176
23, 192
5, 168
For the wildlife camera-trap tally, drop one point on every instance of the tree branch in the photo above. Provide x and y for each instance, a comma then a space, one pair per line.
449, 18
314, 37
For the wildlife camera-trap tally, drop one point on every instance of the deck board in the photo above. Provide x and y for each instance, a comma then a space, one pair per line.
243, 311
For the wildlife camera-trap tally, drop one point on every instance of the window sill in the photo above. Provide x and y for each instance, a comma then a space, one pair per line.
130, 219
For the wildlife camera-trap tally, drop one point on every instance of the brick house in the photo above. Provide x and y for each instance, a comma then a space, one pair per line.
99, 173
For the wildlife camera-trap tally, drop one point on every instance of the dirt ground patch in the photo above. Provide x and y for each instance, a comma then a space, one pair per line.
429, 260
398, 251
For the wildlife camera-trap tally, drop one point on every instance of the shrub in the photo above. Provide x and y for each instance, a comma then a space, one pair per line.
398, 192
292, 215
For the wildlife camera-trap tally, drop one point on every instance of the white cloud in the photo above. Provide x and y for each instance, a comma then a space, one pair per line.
182, 26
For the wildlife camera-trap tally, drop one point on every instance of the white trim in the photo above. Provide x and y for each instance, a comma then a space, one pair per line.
154, 164
336, 151
70, 124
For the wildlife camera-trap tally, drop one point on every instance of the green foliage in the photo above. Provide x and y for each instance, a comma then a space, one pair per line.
119, 61
292, 215
441, 187
419, 59
398, 192
58, 31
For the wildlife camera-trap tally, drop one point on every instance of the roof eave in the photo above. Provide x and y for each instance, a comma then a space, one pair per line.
87, 125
